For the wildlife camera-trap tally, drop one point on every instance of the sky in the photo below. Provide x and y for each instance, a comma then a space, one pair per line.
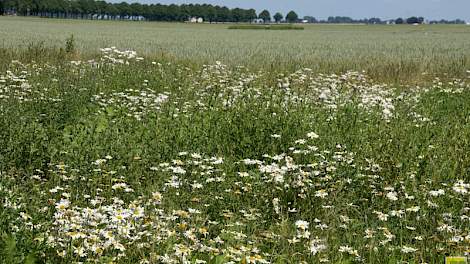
385, 9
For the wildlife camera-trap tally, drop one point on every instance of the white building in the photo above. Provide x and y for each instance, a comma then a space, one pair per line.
196, 20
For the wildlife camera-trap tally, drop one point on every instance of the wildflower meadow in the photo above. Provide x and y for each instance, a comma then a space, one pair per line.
121, 156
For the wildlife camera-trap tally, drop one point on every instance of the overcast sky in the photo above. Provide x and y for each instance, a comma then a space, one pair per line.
430, 9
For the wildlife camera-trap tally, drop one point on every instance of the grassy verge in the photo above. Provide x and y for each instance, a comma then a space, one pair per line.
133, 160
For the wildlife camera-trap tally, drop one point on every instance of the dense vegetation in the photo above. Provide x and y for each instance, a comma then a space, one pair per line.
113, 156
158, 12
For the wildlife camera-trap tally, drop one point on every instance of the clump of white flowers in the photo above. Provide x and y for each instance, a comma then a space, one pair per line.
115, 56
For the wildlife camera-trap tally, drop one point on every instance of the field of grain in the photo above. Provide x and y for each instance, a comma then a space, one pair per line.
200, 144
394, 53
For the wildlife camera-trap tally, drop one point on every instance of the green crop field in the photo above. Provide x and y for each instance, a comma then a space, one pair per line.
198, 144
391, 52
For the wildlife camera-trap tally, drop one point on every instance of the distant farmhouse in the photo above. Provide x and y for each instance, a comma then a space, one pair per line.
258, 21
196, 20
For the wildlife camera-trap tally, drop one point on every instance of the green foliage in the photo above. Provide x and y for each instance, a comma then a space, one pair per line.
92, 9
265, 15
70, 45
76, 133
11, 254
8, 247
267, 27
278, 17
292, 17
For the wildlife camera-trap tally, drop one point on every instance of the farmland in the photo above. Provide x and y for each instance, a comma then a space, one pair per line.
385, 52
140, 142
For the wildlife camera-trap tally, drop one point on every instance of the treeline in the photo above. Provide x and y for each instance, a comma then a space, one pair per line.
104, 10
349, 20
374, 20
444, 21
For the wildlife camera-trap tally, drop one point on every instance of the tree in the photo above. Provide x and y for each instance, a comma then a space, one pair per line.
374, 20
343, 20
412, 20
265, 15
112, 10
224, 14
292, 17
278, 17
250, 15
310, 19
172, 13
211, 14
399, 21
237, 15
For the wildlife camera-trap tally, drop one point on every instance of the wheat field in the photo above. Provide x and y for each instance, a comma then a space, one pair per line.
398, 52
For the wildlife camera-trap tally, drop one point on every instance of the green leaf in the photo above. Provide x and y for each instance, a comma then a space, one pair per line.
102, 124
30, 259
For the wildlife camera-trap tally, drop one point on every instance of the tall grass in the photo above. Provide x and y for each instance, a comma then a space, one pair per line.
108, 156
